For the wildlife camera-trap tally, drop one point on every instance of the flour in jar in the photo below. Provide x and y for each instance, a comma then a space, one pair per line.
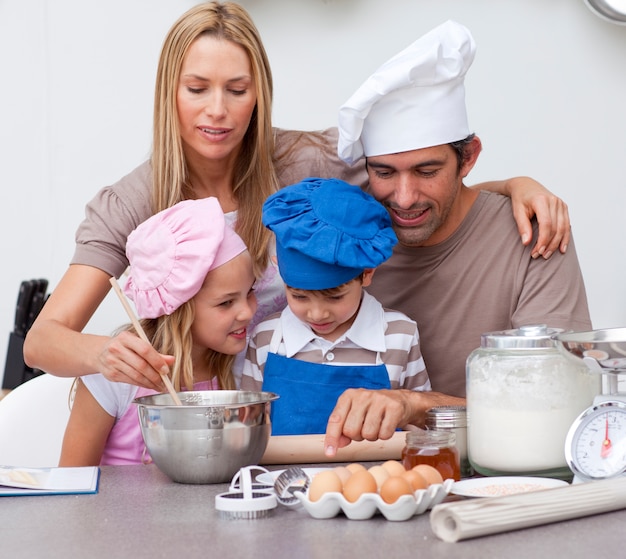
511, 440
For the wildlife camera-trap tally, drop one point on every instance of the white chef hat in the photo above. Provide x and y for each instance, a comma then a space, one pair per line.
415, 100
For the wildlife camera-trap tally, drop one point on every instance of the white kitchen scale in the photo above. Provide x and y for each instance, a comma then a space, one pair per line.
595, 446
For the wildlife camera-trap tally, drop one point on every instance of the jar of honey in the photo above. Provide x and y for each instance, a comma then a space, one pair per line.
452, 418
435, 448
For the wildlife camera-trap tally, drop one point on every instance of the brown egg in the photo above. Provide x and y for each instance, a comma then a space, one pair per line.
354, 467
394, 487
343, 473
324, 482
416, 480
430, 474
380, 475
359, 483
394, 467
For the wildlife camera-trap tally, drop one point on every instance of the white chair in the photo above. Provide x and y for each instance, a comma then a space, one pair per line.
33, 417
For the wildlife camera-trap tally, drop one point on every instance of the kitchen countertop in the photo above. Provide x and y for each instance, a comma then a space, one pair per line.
139, 512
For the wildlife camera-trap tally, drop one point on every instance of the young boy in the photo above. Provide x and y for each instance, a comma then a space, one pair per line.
330, 236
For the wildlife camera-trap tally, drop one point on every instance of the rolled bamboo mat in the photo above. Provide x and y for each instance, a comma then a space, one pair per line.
475, 517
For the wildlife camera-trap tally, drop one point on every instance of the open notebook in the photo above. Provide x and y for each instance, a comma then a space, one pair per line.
15, 481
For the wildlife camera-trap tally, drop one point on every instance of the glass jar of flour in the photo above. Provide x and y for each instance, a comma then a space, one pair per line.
523, 393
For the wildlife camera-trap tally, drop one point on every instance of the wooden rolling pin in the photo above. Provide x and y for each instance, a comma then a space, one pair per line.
309, 449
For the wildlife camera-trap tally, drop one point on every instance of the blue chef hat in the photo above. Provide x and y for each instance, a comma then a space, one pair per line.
327, 232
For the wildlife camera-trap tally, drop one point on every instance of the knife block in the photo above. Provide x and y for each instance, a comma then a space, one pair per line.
16, 372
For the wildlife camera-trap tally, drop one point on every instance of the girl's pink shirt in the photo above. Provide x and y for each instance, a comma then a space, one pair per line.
125, 444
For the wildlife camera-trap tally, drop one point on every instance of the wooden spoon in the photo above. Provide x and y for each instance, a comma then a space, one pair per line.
142, 335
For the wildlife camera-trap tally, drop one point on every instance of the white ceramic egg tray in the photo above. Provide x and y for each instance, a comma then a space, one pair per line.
369, 504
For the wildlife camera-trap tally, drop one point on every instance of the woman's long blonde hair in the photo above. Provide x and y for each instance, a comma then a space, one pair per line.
255, 176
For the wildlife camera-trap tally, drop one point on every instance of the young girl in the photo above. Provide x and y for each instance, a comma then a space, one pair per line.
191, 281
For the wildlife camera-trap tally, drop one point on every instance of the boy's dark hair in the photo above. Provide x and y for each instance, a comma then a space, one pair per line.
329, 292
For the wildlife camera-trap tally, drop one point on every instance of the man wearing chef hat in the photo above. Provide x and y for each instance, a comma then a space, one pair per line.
459, 270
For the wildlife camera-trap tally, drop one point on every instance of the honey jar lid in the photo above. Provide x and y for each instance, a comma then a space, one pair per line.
446, 417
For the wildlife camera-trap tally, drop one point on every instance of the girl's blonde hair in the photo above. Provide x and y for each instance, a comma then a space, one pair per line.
171, 335
255, 176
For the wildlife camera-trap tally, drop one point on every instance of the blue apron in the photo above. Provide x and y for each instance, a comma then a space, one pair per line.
309, 391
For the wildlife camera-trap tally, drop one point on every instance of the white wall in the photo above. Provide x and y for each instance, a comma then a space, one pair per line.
545, 94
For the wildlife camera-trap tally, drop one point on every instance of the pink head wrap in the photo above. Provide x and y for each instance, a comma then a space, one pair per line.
171, 253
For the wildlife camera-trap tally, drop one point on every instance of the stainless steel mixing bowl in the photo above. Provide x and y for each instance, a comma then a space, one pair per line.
210, 437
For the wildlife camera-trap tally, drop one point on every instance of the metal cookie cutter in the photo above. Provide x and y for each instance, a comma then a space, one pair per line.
245, 498
288, 483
